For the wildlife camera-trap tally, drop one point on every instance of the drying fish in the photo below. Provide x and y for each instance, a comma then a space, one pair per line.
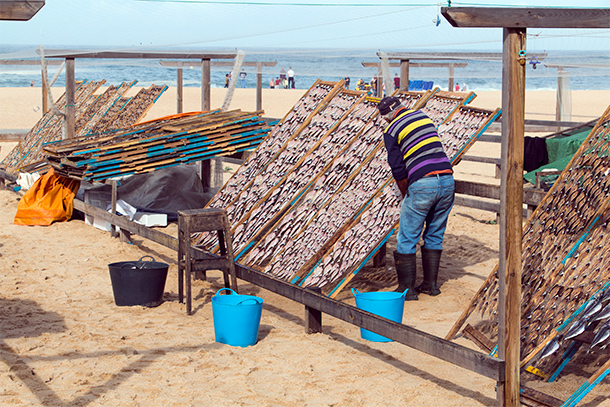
576, 328
592, 308
603, 314
602, 336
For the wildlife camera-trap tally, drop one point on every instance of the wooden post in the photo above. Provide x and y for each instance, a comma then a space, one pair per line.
113, 199
259, 85
70, 98
179, 89
313, 317
511, 194
206, 175
205, 85
404, 74
379, 257
451, 73
45, 97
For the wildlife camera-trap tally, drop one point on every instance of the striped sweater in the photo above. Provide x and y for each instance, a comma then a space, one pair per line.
414, 149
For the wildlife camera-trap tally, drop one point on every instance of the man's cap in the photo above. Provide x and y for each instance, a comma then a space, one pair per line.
388, 104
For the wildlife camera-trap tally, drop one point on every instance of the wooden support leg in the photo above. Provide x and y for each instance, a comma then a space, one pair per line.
313, 317
379, 258
125, 236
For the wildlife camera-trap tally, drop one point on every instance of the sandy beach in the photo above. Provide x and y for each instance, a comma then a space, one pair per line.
64, 342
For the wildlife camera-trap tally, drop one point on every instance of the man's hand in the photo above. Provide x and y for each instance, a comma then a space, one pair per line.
403, 186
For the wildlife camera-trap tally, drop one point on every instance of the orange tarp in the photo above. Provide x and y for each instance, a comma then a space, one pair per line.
48, 200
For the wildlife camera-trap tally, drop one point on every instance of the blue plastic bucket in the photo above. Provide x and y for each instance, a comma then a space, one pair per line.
236, 318
387, 304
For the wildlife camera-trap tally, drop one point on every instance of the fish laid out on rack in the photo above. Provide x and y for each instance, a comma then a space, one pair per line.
564, 257
295, 182
48, 128
441, 104
299, 146
288, 127
309, 245
350, 163
359, 242
462, 127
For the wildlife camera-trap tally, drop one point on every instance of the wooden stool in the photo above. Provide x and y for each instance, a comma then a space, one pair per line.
203, 220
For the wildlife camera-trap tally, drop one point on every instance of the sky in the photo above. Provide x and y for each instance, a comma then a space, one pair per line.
388, 25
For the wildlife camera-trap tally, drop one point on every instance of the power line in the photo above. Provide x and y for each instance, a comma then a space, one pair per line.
267, 3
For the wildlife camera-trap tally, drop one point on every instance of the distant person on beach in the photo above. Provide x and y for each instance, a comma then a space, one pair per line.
32, 84
282, 75
457, 87
347, 82
242, 78
227, 79
277, 83
290, 75
271, 84
360, 84
424, 177
374, 86
396, 81
464, 87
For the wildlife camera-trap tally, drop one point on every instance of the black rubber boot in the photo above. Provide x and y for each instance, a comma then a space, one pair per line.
406, 268
431, 259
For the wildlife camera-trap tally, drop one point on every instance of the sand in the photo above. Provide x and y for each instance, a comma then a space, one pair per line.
64, 342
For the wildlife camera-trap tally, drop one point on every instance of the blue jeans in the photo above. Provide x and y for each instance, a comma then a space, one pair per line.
428, 202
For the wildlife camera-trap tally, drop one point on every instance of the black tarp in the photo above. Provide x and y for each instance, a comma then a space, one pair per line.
166, 190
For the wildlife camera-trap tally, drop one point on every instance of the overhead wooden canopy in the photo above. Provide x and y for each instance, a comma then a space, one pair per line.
434, 56
19, 10
529, 17
56, 53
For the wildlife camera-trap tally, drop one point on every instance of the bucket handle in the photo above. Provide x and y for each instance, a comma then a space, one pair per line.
249, 299
232, 292
404, 293
148, 255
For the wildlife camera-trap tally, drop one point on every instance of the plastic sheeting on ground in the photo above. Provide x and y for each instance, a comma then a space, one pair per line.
48, 200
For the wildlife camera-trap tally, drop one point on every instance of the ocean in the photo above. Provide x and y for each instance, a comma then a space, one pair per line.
586, 70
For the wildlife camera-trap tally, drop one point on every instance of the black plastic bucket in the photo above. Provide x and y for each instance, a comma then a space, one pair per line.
138, 282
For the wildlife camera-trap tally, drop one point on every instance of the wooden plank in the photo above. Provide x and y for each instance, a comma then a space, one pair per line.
531, 196
511, 215
12, 135
478, 338
527, 17
19, 10
70, 118
531, 397
438, 56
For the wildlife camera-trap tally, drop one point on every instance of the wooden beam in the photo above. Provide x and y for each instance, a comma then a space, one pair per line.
27, 61
404, 74
527, 17
220, 63
511, 230
464, 56
419, 64
66, 53
19, 10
